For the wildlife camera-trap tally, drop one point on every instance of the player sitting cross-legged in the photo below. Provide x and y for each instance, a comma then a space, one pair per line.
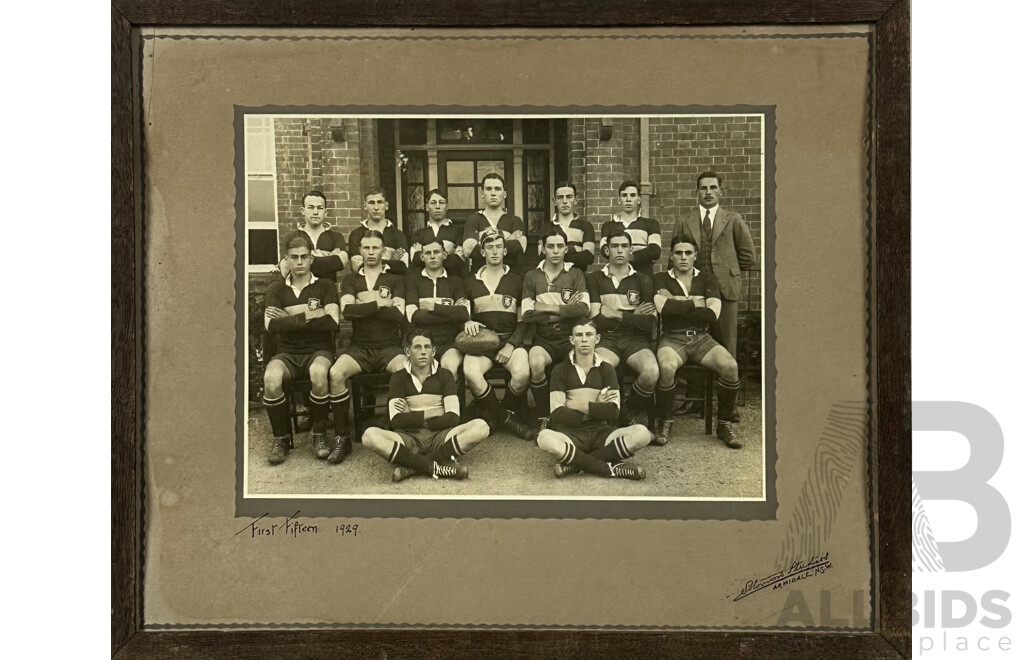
423, 404
584, 408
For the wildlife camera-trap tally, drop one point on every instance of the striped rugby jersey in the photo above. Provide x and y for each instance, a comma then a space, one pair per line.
302, 339
580, 231
569, 383
623, 295
448, 293
537, 288
393, 238
477, 224
498, 309
703, 286
382, 327
641, 232
432, 398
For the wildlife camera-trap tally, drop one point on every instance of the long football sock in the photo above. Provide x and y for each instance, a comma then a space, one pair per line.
277, 412
727, 392
584, 461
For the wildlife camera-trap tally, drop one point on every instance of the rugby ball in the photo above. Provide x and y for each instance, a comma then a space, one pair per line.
484, 342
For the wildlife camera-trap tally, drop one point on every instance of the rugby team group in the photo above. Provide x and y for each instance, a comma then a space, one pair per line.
559, 328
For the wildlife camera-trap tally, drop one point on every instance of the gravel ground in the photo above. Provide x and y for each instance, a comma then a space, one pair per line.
690, 465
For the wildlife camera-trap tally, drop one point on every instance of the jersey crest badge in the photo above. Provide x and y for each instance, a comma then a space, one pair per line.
385, 291
633, 297
446, 301
507, 301
566, 294
313, 304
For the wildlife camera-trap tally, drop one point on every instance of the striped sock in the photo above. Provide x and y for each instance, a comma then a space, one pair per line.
339, 408
318, 408
584, 461
402, 455
614, 451
727, 392
449, 451
541, 397
277, 412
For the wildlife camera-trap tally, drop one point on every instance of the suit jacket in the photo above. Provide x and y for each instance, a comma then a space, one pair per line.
732, 248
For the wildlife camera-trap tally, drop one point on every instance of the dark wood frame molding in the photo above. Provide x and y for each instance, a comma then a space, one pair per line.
891, 137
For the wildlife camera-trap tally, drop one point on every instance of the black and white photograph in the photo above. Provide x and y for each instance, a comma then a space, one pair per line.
506, 307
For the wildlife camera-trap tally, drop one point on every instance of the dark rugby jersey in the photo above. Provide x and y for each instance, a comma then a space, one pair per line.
679, 313
477, 223
372, 326
537, 288
580, 231
446, 231
632, 290
426, 400
568, 384
498, 309
641, 231
449, 315
393, 238
328, 241
294, 334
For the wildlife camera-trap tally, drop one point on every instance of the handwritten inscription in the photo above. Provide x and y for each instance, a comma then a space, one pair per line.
800, 569
266, 527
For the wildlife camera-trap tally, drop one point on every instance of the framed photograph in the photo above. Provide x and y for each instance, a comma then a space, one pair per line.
714, 456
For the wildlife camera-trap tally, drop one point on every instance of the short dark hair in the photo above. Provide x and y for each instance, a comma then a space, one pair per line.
615, 231
298, 239
493, 175
314, 193
709, 175
371, 233
566, 184
583, 321
549, 231
430, 241
684, 238
376, 190
413, 333
629, 184
434, 191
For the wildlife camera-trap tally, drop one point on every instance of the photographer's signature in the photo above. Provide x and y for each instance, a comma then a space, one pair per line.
798, 570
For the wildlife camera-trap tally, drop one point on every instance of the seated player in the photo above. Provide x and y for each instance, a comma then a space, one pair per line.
439, 228
494, 215
493, 293
423, 404
689, 302
435, 300
584, 407
554, 296
622, 307
373, 299
644, 232
395, 253
329, 255
579, 233
302, 315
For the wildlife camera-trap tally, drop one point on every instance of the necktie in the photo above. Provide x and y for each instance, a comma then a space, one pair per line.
705, 239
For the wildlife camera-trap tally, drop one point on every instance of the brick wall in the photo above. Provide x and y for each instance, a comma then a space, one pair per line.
680, 148
308, 158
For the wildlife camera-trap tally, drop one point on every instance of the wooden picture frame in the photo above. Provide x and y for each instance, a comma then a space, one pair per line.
891, 136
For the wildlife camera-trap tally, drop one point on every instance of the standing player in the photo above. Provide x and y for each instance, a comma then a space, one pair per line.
302, 315
495, 216
689, 302
329, 255
494, 295
645, 233
579, 233
373, 299
622, 307
439, 227
426, 436
584, 406
436, 300
395, 253
554, 295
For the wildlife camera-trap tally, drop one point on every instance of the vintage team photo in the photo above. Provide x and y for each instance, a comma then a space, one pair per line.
500, 307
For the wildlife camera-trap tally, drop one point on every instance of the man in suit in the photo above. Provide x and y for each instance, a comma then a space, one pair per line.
724, 249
